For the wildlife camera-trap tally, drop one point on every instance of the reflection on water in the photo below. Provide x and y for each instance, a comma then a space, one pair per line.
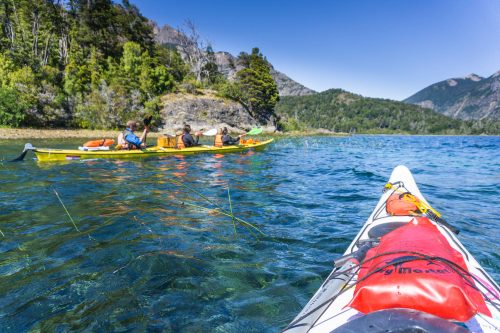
146, 259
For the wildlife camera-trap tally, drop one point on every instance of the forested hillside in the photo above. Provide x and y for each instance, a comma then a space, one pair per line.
94, 64
341, 111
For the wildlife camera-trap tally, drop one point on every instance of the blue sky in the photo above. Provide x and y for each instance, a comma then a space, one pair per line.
377, 48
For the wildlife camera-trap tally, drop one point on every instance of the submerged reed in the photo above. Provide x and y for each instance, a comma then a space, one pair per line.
69, 215
231, 209
218, 208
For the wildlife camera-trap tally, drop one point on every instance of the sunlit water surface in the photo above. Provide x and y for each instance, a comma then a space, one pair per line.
145, 259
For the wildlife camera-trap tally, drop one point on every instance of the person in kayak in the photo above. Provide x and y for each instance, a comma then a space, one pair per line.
224, 139
128, 140
186, 139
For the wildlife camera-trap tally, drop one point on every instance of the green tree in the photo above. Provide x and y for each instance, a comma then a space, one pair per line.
12, 107
77, 74
6, 68
95, 68
172, 60
162, 80
23, 81
259, 92
132, 59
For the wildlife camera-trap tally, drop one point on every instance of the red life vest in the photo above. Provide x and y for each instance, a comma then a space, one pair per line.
398, 276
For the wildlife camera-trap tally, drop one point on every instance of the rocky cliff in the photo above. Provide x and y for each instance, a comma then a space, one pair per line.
166, 35
289, 87
206, 110
471, 97
228, 64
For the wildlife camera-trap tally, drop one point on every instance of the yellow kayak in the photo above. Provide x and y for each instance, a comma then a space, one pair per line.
49, 155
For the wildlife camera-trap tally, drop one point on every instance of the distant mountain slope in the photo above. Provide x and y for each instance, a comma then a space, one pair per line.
341, 111
228, 66
472, 97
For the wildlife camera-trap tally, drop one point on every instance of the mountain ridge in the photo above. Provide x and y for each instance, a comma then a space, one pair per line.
470, 97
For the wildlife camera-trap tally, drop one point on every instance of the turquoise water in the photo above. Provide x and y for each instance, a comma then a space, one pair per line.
145, 259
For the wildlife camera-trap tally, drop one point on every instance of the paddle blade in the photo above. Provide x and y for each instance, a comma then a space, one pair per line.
147, 120
255, 131
210, 132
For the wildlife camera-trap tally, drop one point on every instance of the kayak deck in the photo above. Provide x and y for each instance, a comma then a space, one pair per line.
335, 307
49, 155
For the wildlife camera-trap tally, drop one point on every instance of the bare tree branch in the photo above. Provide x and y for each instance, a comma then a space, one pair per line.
192, 48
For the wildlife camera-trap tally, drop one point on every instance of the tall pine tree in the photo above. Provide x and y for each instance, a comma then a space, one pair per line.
258, 89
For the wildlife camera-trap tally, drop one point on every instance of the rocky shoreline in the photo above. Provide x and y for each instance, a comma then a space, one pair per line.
35, 133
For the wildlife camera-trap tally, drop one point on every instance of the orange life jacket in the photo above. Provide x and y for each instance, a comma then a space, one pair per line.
99, 143
218, 140
180, 142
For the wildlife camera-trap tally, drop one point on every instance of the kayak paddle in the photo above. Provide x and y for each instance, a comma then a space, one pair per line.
254, 131
210, 132
27, 147
147, 120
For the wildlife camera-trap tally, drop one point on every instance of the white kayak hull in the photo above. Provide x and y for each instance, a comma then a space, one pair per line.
329, 310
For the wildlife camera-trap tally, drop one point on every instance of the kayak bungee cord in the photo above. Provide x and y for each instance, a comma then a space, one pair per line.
456, 268
424, 208
387, 187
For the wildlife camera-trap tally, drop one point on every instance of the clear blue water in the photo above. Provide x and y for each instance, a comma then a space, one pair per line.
145, 260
